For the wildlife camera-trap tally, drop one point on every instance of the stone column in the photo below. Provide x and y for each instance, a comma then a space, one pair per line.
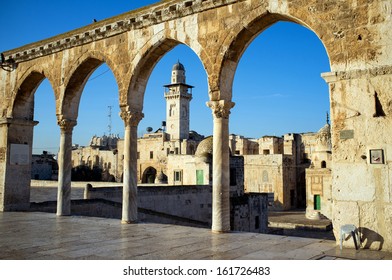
16, 137
221, 166
129, 204
65, 167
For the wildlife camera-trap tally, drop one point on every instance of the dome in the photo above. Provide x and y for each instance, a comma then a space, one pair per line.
178, 66
323, 139
204, 149
326, 129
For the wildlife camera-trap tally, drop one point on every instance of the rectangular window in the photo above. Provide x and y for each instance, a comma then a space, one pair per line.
257, 222
178, 176
176, 151
292, 197
151, 154
233, 176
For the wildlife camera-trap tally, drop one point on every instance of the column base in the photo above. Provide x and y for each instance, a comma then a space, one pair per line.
128, 222
220, 231
62, 215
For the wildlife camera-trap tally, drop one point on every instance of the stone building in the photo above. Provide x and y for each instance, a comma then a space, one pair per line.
97, 162
176, 156
272, 165
174, 138
106, 153
319, 177
44, 167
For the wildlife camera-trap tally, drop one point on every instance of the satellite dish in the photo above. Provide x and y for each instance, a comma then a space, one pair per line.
149, 129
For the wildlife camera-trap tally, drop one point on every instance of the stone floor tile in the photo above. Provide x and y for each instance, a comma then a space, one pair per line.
45, 236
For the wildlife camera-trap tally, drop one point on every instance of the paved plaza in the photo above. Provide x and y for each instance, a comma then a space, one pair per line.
37, 236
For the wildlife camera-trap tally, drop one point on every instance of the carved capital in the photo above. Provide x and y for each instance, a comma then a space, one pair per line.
66, 125
131, 118
221, 108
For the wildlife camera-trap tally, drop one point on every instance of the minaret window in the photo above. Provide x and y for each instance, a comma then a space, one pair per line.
172, 110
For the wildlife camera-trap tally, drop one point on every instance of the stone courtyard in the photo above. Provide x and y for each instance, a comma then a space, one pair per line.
357, 38
37, 236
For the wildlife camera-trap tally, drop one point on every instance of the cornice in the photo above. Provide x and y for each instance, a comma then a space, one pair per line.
140, 18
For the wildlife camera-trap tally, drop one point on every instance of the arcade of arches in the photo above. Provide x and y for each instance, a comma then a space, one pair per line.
357, 37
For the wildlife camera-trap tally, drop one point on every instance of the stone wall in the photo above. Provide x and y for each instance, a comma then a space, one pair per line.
107, 162
271, 174
361, 157
250, 213
319, 182
191, 202
17, 152
190, 205
188, 166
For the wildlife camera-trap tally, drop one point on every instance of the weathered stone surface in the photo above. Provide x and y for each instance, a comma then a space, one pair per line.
357, 37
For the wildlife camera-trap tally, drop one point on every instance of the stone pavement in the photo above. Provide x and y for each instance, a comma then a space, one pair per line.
35, 236
295, 223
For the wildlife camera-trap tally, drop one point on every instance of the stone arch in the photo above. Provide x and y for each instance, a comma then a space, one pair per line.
237, 42
23, 103
89, 162
149, 175
234, 46
96, 161
77, 78
82, 160
145, 64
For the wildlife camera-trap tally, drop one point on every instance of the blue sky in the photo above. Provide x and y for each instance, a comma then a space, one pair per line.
277, 87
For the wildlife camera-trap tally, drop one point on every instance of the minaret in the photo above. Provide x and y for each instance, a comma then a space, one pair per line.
178, 96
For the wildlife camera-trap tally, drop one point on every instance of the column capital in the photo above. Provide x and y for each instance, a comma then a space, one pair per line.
131, 118
66, 125
221, 108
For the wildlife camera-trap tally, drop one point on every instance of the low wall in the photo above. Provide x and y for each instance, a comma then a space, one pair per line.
249, 212
77, 184
189, 202
184, 205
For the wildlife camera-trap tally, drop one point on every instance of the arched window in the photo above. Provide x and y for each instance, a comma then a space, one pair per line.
149, 175
323, 164
96, 161
265, 176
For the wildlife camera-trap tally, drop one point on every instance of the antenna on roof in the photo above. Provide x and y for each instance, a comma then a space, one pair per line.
110, 120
